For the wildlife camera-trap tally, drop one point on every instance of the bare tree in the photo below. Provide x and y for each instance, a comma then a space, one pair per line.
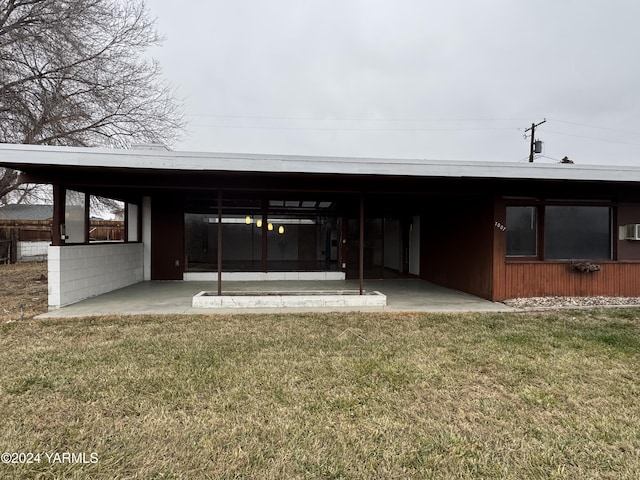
74, 72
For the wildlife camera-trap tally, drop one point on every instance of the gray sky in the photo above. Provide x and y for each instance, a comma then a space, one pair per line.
458, 80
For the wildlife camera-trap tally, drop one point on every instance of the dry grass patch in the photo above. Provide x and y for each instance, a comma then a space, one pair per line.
326, 395
23, 291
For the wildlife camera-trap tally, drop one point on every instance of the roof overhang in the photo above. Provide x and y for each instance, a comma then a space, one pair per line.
34, 159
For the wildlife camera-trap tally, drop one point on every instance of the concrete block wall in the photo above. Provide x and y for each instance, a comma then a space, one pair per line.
77, 272
32, 251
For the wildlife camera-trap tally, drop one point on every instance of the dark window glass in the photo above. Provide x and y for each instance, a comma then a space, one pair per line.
241, 243
521, 231
577, 232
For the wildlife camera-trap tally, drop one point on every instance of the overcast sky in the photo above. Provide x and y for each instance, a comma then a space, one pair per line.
458, 80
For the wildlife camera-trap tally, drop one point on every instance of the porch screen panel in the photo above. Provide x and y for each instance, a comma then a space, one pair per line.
577, 232
74, 216
521, 231
302, 243
241, 243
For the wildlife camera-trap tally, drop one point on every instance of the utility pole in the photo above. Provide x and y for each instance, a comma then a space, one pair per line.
533, 137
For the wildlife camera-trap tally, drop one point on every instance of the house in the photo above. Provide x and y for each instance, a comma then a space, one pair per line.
496, 230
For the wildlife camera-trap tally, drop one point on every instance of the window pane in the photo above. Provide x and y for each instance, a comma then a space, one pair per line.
132, 222
106, 222
577, 232
521, 231
302, 243
241, 243
74, 219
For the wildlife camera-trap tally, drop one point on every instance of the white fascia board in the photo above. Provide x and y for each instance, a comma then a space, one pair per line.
232, 162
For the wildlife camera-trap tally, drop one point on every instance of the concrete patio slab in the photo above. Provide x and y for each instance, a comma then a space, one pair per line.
166, 297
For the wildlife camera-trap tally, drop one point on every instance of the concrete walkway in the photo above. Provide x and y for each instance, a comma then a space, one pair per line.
175, 298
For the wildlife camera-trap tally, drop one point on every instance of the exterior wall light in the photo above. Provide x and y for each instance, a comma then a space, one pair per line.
259, 223
281, 229
247, 220
270, 226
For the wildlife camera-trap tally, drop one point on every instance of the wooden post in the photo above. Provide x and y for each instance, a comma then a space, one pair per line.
361, 246
265, 206
87, 218
59, 199
125, 230
13, 245
220, 241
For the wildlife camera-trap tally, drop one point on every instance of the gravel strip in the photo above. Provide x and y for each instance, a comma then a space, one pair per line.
564, 302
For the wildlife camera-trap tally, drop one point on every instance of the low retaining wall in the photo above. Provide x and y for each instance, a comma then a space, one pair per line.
261, 276
288, 299
77, 272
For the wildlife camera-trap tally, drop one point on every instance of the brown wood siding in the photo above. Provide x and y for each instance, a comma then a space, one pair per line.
538, 279
628, 249
456, 245
515, 278
499, 238
167, 238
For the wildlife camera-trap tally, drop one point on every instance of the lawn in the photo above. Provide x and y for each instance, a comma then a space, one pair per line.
23, 291
503, 396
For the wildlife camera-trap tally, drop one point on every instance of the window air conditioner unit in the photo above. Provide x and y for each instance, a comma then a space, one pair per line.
632, 231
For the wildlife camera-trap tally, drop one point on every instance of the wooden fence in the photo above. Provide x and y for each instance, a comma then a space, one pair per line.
14, 231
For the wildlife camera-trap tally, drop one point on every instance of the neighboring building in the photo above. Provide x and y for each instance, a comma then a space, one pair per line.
26, 213
495, 230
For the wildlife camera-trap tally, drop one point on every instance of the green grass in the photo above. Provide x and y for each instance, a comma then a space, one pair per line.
502, 396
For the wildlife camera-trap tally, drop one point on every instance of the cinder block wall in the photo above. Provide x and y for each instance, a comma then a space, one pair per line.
32, 251
77, 272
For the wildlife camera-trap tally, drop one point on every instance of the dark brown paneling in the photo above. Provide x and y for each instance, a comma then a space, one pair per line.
457, 244
628, 249
499, 249
167, 237
538, 279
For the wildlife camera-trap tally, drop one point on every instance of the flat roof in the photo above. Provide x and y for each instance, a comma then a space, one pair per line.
30, 157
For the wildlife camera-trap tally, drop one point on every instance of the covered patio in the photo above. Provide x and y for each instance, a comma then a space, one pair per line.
174, 297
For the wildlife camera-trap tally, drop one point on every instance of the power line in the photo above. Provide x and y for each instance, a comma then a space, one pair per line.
595, 127
591, 138
352, 119
351, 129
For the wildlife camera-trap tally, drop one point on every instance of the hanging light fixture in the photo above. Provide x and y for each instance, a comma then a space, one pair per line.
281, 229
270, 226
259, 223
247, 220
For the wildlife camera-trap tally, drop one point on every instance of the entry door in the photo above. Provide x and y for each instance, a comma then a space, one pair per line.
167, 238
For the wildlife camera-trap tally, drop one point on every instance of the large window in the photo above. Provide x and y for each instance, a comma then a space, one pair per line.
568, 232
273, 235
577, 232
242, 243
